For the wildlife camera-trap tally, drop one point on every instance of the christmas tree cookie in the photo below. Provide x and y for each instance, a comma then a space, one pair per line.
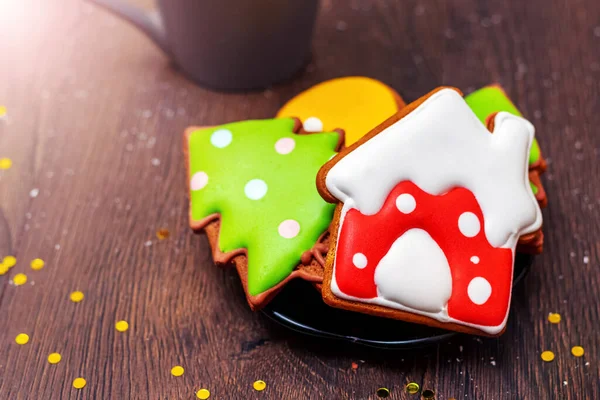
430, 206
252, 189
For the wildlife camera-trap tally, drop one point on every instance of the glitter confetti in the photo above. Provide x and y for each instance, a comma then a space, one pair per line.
383, 392
428, 394
162, 233
9, 261
37, 264
2, 111
547, 356
5, 163
34, 193
203, 394
259, 385
76, 296
554, 318
122, 326
54, 358
3, 269
354, 365
412, 388
22, 338
177, 370
577, 351
79, 383
20, 279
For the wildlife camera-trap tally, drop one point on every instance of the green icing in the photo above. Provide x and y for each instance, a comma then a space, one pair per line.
491, 99
534, 188
291, 192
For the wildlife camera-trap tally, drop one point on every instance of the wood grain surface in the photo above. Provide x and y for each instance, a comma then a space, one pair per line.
94, 120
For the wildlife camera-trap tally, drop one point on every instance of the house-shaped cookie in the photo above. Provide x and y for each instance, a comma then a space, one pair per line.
431, 205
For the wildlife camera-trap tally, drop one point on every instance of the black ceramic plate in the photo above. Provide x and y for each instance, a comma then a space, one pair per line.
300, 307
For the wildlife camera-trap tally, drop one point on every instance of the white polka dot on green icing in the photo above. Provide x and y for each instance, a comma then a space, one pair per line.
199, 180
256, 189
289, 229
285, 145
221, 138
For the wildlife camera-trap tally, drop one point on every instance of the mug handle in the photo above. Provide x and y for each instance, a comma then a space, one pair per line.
148, 22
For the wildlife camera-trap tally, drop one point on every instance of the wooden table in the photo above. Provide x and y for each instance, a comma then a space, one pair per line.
93, 126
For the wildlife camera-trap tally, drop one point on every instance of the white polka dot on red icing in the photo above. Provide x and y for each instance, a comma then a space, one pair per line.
479, 290
199, 180
221, 138
313, 124
359, 260
285, 145
289, 229
475, 260
469, 224
406, 203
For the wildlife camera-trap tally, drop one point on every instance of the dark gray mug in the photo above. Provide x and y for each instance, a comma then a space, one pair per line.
228, 44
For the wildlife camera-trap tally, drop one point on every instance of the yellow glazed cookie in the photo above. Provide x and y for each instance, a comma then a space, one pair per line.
355, 103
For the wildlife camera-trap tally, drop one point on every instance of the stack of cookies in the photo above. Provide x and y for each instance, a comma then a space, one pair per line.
413, 212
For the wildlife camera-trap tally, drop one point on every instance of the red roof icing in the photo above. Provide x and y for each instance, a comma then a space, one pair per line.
373, 235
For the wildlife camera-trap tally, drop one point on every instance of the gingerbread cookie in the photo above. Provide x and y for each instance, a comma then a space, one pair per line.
430, 207
356, 103
252, 190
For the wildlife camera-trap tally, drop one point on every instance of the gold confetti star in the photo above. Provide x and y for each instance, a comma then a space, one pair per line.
20, 279
9, 261
203, 394
547, 356
3, 269
412, 388
54, 358
177, 370
122, 326
577, 351
162, 233
76, 296
259, 385
37, 264
5, 163
554, 318
22, 338
79, 383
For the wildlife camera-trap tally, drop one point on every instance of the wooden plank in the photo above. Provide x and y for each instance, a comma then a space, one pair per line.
91, 103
